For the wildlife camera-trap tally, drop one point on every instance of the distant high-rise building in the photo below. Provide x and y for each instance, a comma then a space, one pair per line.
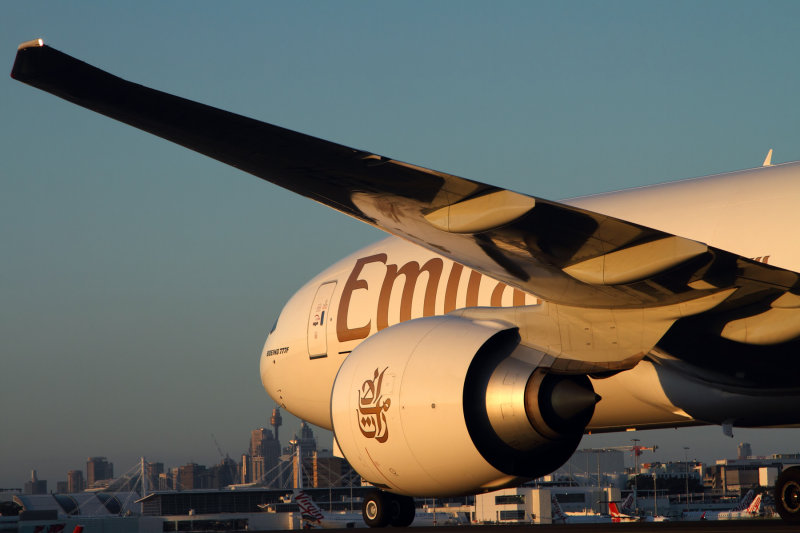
61, 487
193, 476
330, 471
257, 439
35, 485
245, 469
224, 474
152, 471
97, 469
186, 476
263, 445
165, 481
175, 477
307, 442
743, 451
272, 454
75, 481
256, 468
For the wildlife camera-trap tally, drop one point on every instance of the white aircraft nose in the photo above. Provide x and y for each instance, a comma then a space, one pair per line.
274, 350
296, 378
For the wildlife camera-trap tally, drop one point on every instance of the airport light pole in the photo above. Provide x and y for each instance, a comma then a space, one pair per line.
655, 494
635, 475
686, 462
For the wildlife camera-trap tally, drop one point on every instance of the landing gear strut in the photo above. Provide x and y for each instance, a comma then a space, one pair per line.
787, 494
381, 509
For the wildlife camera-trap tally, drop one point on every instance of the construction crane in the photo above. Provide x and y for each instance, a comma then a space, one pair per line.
225, 461
219, 449
637, 450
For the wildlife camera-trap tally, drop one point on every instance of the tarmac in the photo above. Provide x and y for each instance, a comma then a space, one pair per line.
719, 526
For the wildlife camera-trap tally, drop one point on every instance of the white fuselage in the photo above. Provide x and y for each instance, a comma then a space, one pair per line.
749, 213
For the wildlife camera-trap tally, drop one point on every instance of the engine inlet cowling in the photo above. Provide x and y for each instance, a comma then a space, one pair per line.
446, 405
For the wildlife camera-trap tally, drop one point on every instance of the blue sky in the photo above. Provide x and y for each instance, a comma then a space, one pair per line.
139, 279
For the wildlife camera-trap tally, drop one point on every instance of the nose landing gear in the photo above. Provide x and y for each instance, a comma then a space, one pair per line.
381, 509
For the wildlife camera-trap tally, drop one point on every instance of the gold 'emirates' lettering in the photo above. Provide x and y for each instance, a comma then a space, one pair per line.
343, 332
410, 273
451, 291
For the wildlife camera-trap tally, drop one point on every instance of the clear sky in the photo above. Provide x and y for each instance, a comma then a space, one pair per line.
139, 279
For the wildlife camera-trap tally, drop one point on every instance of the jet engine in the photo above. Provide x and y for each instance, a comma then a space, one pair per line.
447, 405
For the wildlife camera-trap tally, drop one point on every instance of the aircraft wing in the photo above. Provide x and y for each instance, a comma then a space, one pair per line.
563, 254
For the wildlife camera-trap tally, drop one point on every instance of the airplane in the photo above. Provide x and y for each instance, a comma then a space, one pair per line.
472, 348
620, 516
623, 513
560, 517
314, 517
708, 514
752, 511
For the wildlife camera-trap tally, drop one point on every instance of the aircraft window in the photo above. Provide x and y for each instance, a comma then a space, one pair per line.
274, 325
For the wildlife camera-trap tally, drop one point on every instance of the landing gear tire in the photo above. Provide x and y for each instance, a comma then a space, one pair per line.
403, 510
787, 495
375, 509
381, 509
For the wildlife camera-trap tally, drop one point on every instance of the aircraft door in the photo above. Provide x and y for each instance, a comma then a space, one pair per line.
318, 319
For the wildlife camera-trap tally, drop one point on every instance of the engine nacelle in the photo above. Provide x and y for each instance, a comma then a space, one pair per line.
446, 405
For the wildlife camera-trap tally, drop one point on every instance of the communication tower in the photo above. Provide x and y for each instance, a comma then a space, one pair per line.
276, 421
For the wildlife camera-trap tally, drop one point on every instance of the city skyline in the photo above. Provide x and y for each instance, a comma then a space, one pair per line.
258, 464
587, 444
140, 280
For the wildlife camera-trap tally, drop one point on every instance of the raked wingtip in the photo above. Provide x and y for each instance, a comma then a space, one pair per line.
31, 44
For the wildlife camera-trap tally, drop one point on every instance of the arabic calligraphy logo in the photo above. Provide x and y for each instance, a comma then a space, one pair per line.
372, 409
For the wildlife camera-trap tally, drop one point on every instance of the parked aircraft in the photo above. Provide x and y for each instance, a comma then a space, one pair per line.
619, 516
752, 511
628, 505
710, 514
560, 517
472, 349
616, 514
624, 514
